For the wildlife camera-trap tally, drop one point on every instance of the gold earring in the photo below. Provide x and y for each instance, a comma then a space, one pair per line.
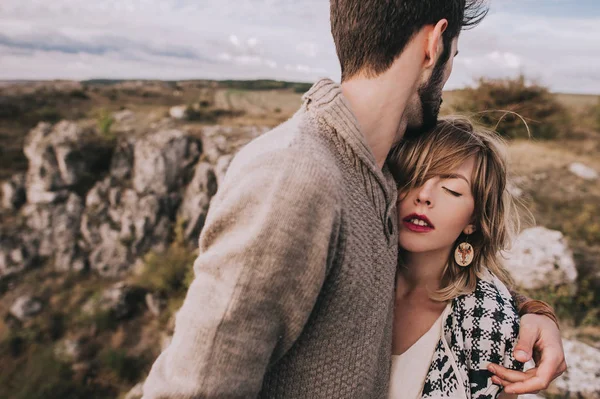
464, 253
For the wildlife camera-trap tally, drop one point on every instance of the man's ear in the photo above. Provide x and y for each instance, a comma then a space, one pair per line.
435, 44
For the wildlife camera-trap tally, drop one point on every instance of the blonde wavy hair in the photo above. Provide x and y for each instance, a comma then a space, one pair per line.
439, 152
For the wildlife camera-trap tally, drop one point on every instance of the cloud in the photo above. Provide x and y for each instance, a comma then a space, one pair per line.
278, 39
308, 49
235, 41
505, 59
560, 52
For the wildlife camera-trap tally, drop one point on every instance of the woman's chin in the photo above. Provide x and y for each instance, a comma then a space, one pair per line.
414, 248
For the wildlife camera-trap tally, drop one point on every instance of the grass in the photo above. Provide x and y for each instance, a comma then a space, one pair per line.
40, 375
29, 369
171, 281
105, 122
124, 367
561, 201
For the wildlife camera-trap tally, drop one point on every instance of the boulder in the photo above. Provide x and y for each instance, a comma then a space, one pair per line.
62, 157
583, 171
25, 307
582, 378
221, 167
16, 254
163, 161
178, 112
196, 200
155, 303
541, 258
121, 300
55, 230
119, 225
14, 192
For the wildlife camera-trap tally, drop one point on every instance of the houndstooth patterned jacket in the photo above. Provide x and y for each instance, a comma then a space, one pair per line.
479, 328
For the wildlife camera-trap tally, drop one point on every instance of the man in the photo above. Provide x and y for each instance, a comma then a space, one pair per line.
294, 289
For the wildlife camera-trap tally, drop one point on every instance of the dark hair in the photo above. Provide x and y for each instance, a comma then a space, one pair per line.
370, 34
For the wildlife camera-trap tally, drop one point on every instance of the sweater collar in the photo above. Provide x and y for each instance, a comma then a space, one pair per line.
327, 100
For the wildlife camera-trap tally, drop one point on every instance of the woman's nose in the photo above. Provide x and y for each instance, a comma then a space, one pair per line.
424, 195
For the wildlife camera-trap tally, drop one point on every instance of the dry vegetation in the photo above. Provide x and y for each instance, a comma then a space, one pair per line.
565, 128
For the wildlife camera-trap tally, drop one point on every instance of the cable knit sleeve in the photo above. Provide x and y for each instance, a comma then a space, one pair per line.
269, 237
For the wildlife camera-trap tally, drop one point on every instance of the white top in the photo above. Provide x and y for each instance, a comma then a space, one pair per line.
409, 369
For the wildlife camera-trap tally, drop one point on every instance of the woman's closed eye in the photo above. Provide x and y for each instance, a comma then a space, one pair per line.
452, 192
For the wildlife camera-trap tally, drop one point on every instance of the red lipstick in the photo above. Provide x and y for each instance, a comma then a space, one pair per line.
418, 223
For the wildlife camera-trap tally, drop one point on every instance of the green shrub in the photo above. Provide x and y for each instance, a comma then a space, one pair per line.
209, 115
105, 122
579, 309
495, 103
80, 94
51, 326
48, 114
124, 367
265, 85
168, 273
302, 88
575, 217
39, 375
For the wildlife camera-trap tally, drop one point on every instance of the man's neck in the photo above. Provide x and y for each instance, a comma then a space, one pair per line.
379, 104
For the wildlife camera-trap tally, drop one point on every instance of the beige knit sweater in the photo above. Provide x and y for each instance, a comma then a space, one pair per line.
294, 284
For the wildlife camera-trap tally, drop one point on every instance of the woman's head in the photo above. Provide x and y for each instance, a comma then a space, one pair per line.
452, 188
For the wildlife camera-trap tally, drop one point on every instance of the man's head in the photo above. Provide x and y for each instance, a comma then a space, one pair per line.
370, 35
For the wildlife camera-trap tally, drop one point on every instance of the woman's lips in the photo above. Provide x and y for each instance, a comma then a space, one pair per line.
417, 223
416, 228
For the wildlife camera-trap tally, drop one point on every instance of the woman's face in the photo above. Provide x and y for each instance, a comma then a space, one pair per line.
431, 217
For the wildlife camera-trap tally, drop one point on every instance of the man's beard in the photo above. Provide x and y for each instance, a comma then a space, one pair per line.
430, 95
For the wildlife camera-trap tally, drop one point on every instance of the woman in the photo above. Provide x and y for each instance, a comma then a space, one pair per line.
454, 313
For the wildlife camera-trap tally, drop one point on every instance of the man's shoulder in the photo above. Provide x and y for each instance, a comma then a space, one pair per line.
295, 146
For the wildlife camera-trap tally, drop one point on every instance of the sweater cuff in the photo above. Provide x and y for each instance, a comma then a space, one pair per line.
533, 306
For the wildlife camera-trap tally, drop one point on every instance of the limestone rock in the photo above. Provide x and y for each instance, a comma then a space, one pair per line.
25, 307
541, 258
582, 378
196, 200
155, 303
162, 160
221, 167
119, 225
14, 192
55, 229
178, 112
62, 157
16, 254
583, 171
121, 300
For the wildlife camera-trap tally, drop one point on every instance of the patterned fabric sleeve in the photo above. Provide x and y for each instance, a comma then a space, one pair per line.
482, 328
491, 330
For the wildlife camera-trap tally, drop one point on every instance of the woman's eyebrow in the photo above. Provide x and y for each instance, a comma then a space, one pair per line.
455, 176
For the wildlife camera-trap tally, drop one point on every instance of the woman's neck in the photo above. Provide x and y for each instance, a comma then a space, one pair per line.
422, 271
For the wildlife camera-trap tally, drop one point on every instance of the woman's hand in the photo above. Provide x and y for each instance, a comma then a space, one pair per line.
538, 335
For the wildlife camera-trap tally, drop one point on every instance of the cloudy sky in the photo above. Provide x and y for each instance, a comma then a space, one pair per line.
556, 42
